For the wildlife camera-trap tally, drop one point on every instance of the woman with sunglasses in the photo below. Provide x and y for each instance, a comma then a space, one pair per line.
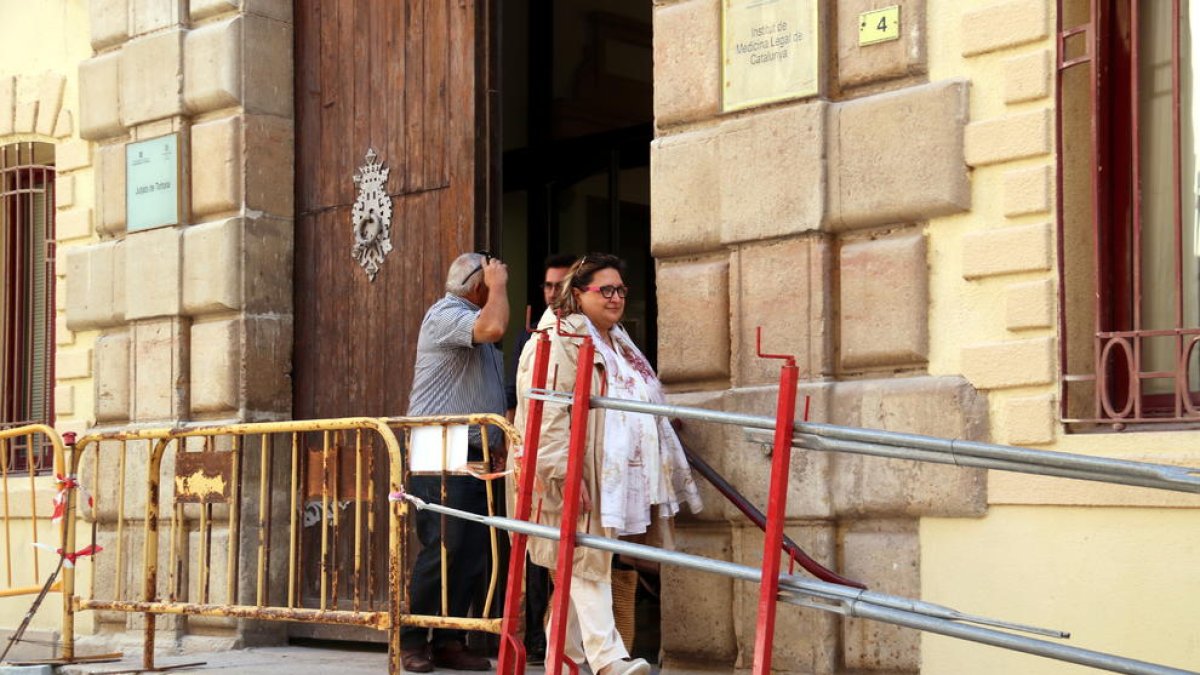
635, 475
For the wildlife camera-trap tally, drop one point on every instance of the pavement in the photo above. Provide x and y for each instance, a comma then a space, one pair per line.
208, 654
211, 656
292, 660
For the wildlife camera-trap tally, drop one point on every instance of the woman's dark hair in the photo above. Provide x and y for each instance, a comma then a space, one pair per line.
581, 274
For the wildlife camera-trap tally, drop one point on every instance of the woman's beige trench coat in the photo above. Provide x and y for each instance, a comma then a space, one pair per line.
552, 449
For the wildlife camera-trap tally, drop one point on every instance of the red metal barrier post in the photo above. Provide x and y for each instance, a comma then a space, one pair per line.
580, 408
785, 415
512, 652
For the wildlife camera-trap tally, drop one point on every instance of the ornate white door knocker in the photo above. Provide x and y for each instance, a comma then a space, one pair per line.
371, 218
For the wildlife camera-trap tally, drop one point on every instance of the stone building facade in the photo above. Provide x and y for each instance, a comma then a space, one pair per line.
896, 233
811, 220
39, 120
39, 104
194, 320
898, 236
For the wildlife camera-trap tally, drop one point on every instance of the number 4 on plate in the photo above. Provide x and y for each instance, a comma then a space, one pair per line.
880, 25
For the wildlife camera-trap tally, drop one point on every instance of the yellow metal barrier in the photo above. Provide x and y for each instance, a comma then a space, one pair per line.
22, 458
497, 424
317, 558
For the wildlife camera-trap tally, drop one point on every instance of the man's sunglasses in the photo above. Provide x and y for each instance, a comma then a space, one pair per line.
487, 258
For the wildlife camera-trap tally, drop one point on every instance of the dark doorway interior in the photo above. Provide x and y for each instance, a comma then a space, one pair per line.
577, 111
577, 121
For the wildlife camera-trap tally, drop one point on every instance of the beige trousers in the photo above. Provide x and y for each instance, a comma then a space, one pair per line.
591, 632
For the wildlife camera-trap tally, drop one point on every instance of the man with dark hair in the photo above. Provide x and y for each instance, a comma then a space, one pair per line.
538, 586
556, 266
459, 370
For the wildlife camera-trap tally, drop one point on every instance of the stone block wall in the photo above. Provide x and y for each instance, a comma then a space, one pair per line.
197, 314
193, 320
809, 219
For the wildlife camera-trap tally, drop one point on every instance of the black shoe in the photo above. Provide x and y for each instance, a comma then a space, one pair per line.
535, 650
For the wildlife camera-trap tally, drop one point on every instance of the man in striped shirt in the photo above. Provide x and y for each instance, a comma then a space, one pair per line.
459, 370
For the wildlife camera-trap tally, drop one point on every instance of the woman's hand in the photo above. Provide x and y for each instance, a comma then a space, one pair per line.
585, 500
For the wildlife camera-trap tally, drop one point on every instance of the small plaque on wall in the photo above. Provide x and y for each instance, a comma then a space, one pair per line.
152, 183
879, 25
770, 51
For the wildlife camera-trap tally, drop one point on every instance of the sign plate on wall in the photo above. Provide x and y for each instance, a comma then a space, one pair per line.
152, 183
880, 25
770, 51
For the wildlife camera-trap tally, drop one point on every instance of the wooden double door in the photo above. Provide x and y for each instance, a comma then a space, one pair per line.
408, 80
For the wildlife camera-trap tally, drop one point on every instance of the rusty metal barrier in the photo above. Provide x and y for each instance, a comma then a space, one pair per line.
406, 426
319, 534
23, 457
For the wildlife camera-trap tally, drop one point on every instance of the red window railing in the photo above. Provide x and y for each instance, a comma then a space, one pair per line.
1139, 284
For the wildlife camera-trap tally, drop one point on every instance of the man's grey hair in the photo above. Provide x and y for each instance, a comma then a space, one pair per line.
463, 265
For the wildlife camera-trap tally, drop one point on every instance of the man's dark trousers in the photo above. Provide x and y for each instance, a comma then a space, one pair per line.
466, 552
538, 589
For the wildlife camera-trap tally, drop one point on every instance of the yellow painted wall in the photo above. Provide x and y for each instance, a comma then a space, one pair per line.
53, 37
966, 312
1121, 580
43, 35
26, 567
36, 39
1116, 566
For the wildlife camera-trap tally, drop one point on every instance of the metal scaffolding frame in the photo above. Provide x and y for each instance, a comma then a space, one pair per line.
879, 443
788, 433
847, 601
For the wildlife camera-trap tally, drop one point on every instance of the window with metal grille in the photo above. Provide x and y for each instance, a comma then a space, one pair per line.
1128, 182
27, 297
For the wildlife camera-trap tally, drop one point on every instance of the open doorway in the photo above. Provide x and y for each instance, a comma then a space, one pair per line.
576, 125
577, 121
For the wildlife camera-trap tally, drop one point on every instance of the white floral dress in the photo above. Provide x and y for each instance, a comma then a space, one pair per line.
644, 465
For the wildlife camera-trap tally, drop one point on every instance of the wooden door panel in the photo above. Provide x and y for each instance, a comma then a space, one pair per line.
398, 76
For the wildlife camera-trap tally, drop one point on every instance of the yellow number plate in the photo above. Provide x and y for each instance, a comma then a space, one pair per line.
880, 25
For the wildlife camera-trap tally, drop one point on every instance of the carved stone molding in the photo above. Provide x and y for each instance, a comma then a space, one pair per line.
371, 218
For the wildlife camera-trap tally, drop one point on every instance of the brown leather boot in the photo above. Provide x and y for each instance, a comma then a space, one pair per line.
454, 656
416, 659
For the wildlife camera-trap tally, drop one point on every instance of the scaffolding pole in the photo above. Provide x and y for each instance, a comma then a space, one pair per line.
829, 437
916, 614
